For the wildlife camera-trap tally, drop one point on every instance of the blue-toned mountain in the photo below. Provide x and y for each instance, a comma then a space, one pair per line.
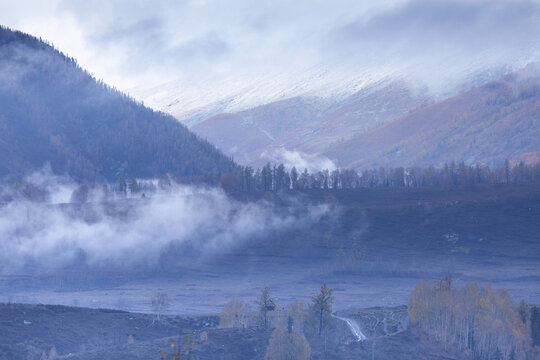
53, 111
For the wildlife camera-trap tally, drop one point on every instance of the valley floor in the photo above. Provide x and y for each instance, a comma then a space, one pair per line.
375, 247
29, 331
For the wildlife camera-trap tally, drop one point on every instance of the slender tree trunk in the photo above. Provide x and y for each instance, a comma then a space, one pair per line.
320, 322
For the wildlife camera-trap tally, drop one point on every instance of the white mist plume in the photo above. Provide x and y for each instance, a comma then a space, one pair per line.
133, 231
300, 160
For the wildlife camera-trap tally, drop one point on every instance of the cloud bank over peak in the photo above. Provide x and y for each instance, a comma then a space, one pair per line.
242, 55
437, 42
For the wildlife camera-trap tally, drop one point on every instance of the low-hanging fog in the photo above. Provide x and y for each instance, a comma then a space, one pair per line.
127, 231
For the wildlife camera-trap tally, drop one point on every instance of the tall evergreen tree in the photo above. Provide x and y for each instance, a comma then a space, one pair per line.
266, 304
322, 305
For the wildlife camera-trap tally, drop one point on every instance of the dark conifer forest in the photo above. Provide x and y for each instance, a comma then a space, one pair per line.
52, 111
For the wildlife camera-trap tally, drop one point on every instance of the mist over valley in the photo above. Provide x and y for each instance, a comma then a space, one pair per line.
205, 180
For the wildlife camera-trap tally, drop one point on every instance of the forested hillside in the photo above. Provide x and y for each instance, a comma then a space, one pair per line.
52, 111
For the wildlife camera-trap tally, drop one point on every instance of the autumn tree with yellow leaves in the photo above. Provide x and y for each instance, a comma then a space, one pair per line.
471, 318
234, 314
286, 345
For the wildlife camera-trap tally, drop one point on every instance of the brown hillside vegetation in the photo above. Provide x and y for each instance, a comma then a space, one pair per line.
488, 124
53, 111
306, 124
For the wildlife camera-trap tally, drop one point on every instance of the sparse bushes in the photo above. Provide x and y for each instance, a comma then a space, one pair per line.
203, 336
181, 349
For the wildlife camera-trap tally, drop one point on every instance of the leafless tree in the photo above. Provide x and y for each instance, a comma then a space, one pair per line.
160, 303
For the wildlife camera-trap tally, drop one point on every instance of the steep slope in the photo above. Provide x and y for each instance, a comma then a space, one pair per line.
53, 111
248, 134
307, 124
192, 103
487, 124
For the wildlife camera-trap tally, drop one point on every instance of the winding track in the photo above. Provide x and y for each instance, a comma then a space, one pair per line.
355, 329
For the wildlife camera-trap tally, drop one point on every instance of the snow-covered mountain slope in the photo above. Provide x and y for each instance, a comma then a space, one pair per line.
193, 104
338, 129
306, 124
194, 100
256, 120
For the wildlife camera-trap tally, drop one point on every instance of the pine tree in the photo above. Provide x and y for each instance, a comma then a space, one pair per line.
266, 304
322, 305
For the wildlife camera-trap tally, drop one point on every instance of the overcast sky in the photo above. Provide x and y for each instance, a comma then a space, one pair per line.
198, 43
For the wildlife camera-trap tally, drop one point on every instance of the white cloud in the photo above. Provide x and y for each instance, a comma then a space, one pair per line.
299, 160
229, 47
119, 233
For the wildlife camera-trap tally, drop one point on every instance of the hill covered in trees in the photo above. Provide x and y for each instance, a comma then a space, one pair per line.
53, 111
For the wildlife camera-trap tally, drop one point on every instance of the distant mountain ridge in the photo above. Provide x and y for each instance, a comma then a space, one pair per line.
390, 125
52, 111
191, 105
306, 124
488, 124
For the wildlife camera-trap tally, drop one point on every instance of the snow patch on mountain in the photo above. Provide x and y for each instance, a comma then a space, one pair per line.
192, 103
